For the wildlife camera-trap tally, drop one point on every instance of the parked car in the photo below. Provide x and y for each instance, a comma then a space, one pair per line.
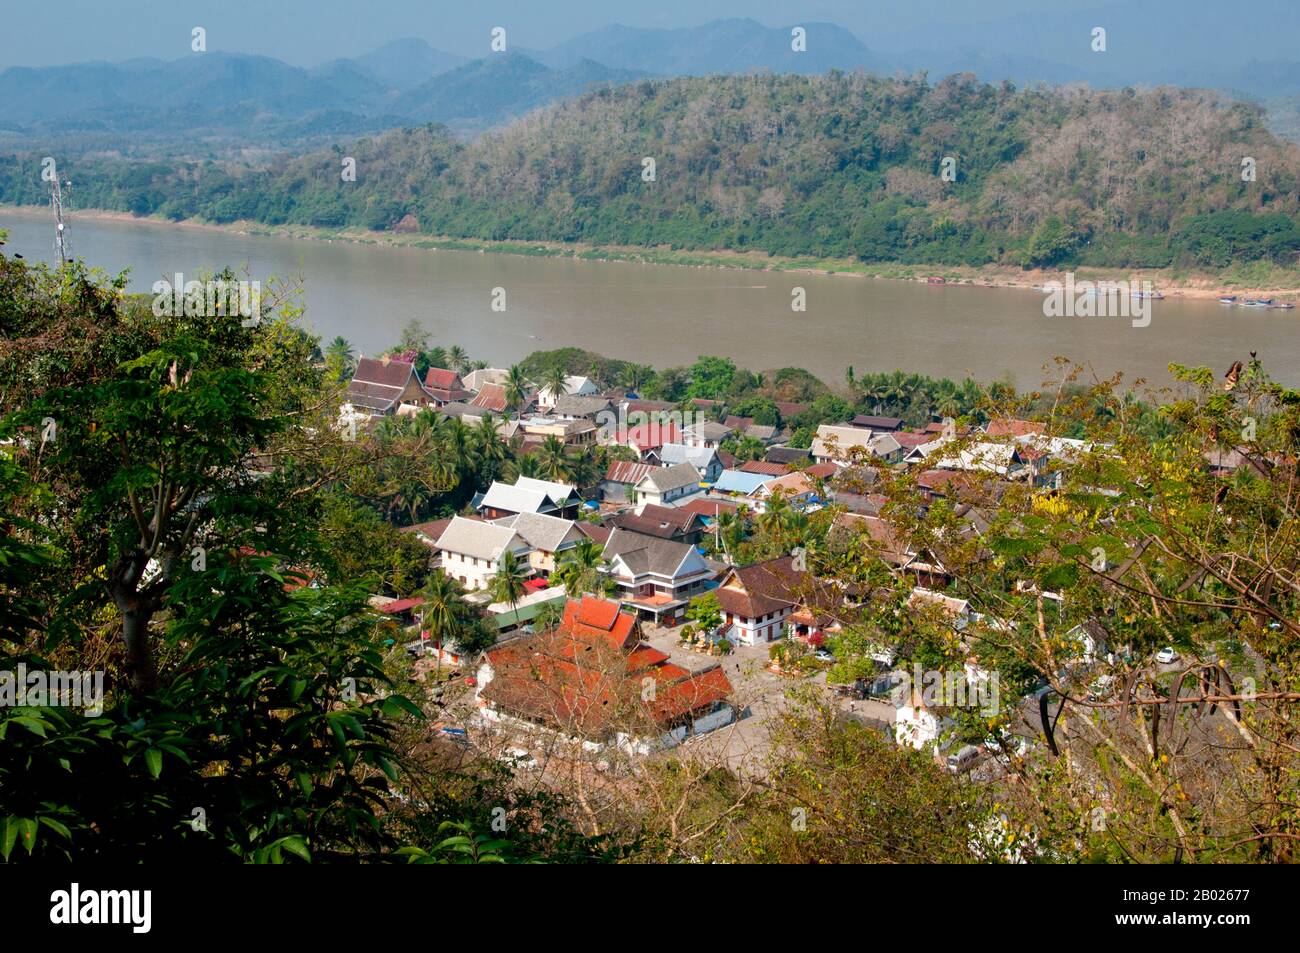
963, 760
1167, 655
822, 655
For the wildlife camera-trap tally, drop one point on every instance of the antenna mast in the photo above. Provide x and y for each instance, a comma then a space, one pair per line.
60, 226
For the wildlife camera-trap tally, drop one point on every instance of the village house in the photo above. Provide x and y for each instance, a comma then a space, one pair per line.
668, 485
765, 467
1000, 458
757, 600
841, 444
655, 577
384, 386
573, 407
592, 679
666, 522
491, 397
706, 433
572, 432
472, 549
704, 459
548, 538
746, 426
574, 386
796, 488
475, 380
445, 387
878, 424
1013, 427
891, 546
787, 455
527, 495
512, 618
738, 484
621, 477
647, 438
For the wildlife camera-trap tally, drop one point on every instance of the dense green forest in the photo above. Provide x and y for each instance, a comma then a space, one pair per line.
841, 165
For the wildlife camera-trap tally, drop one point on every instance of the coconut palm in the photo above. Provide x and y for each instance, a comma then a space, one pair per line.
579, 570
444, 612
507, 583
518, 387
585, 469
556, 380
776, 517
339, 352
491, 450
527, 465
457, 358
553, 459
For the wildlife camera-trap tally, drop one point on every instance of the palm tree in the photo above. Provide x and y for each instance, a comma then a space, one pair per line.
585, 469
517, 387
339, 351
556, 380
436, 357
411, 495
527, 465
635, 376
457, 358
491, 449
552, 459
579, 571
776, 516
508, 581
456, 442
444, 610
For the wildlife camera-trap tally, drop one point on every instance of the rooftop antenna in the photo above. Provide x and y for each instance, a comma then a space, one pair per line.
60, 226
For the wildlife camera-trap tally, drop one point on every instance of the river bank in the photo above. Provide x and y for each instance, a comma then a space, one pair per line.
1246, 281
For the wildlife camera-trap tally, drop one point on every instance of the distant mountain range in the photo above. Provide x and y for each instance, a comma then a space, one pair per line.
221, 100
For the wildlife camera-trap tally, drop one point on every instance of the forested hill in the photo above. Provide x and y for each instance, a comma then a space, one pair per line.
838, 165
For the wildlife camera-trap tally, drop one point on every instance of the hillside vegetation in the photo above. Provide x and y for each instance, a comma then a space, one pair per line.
840, 165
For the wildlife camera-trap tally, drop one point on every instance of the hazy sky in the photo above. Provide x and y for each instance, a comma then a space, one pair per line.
306, 32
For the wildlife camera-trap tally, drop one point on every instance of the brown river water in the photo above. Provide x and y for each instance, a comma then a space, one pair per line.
665, 314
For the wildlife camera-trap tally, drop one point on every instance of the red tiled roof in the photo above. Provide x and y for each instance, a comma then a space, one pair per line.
586, 674
445, 385
650, 435
400, 605
386, 372
439, 377
709, 508
598, 533
623, 471
910, 439
1012, 427
762, 466
822, 471
492, 397
765, 588
791, 408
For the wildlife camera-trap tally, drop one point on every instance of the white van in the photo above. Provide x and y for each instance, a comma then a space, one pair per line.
963, 760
